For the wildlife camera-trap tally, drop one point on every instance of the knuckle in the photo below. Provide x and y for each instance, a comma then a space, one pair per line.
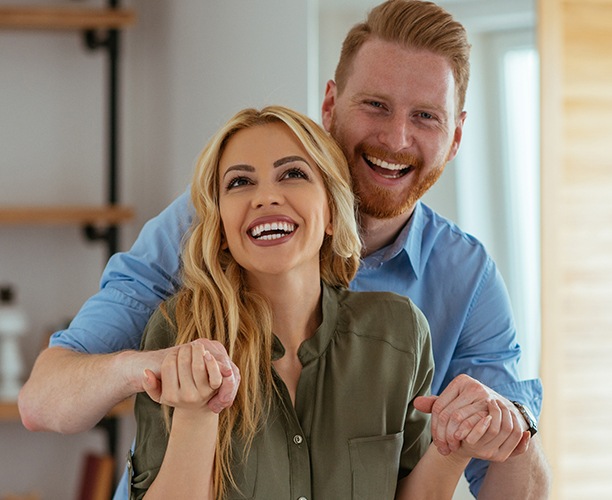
456, 418
444, 417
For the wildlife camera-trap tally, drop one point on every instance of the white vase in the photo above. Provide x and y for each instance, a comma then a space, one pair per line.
13, 325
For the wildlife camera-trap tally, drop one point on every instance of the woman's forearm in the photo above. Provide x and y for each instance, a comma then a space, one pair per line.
188, 465
435, 477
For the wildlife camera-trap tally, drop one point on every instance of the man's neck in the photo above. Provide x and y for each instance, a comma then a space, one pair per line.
378, 233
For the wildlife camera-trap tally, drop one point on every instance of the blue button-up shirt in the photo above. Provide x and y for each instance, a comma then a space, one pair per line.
447, 273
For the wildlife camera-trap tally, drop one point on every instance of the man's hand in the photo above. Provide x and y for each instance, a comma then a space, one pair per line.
460, 407
152, 378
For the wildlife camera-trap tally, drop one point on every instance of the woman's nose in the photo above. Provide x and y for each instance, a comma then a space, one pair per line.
267, 194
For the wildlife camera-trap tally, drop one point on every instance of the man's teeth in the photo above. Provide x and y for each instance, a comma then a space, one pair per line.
386, 165
273, 230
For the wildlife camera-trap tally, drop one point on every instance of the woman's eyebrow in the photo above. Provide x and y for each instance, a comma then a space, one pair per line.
288, 159
243, 167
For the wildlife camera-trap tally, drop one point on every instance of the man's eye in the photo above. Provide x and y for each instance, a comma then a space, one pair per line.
376, 104
426, 116
237, 182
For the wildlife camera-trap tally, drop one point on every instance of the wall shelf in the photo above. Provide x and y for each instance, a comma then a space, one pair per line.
64, 18
9, 412
62, 215
100, 27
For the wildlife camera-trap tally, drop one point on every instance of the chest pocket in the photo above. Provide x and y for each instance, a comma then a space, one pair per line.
374, 466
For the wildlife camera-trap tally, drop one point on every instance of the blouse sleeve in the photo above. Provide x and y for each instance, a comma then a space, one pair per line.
417, 430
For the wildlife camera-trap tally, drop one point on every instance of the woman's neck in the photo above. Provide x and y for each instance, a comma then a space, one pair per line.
296, 306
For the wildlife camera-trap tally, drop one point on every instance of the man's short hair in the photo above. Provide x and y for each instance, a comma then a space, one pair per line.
412, 24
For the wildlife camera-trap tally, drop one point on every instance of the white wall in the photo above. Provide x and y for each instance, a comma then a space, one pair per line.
187, 67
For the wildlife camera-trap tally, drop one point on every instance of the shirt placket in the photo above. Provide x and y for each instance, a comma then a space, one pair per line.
299, 454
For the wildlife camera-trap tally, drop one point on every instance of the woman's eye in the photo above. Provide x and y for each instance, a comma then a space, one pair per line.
295, 173
237, 182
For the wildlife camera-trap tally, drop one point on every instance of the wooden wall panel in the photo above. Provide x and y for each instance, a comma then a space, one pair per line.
576, 79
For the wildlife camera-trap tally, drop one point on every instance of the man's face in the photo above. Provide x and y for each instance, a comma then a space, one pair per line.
395, 121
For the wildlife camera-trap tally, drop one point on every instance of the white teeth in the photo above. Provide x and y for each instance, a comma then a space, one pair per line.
282, 227
386, 165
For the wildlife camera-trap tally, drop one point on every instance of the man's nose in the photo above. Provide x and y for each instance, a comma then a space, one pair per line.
397, 133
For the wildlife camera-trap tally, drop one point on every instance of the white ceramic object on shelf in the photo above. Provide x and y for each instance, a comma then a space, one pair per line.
13, 325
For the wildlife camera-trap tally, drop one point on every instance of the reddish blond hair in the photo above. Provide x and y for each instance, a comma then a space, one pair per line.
412, 24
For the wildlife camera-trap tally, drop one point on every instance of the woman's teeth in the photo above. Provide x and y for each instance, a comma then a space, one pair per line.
272, 230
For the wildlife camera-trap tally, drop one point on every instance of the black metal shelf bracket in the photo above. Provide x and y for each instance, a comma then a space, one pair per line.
109, 40
108, 234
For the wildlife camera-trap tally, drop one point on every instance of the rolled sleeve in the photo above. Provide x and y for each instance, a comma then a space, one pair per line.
133, 284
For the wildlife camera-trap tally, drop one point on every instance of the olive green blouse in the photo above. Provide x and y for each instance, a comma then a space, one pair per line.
353, 431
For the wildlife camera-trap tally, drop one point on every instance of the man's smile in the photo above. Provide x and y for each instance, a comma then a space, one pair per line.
386, 169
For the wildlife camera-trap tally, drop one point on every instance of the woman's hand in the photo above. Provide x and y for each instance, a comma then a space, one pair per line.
191, 377
224, 397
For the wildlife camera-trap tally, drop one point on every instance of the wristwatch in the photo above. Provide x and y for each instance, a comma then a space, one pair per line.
532, 425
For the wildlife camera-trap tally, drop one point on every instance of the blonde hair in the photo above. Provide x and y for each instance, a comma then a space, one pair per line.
214, 302
412, 24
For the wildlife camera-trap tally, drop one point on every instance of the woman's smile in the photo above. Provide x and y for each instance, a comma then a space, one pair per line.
272, 230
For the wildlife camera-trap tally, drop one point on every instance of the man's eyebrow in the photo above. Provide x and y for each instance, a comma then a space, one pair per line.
288, 159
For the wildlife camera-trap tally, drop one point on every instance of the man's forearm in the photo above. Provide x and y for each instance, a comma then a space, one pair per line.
70, 392
525, 477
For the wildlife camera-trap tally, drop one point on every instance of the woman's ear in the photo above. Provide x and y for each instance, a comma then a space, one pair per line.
329, 230
224, 245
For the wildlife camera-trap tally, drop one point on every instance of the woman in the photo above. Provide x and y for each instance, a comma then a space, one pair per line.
324, 408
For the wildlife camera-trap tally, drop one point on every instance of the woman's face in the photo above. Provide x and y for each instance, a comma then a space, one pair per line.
273, 202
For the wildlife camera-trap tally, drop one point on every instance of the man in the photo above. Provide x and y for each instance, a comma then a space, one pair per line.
396, 108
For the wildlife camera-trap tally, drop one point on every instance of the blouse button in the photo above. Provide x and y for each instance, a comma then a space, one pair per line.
297, 439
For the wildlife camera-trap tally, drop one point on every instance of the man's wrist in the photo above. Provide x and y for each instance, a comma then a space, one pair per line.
532, 424
130, 365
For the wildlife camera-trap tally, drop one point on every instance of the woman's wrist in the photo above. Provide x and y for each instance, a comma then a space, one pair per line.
457, 459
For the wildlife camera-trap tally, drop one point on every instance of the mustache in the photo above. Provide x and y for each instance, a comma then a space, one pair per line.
397, 158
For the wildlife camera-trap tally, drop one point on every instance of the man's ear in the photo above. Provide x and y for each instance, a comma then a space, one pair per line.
329, 102
458, 134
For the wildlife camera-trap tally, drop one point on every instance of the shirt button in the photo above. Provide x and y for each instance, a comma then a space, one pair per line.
297, 439
302, 498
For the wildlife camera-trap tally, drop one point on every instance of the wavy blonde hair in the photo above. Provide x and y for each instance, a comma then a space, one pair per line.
214, 301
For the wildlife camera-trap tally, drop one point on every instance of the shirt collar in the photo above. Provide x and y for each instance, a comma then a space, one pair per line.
313, 347
408, 242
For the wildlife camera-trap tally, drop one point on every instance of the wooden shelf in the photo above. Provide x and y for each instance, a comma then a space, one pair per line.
64, 18
56, 215
9, 412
